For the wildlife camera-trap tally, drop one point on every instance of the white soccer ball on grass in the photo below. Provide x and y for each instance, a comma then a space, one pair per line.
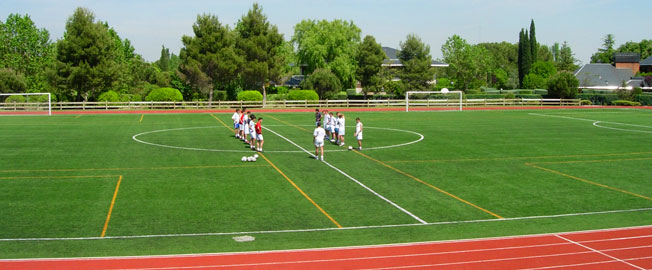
255, 155
250, 159
244, 159
350, 147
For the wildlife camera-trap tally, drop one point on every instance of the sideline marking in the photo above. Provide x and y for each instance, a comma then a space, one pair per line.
357, 228
291, 182
301, 191
141, 118
135, 138
108, 216
353, 179
599, 252
587, 181
56, 177
429, 185
595, 124
126, 169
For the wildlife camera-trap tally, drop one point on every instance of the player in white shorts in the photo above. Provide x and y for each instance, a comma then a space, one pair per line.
252, 132
341, 123
318, 138
331, 125
259, 135
245, 130
325, 124
358, 132
236, 122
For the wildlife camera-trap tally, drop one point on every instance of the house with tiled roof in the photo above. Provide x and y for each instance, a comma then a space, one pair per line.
393, 61
646, 65
613, 77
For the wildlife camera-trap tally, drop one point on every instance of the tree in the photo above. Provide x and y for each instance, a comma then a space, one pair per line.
524, 56
416, 60
328, 44
164, 61
468, 65
85, 65
563, 85
324, 82
261, 45
644, 48
540, 72
566, 60
11, 82
534, 46
26, 49
555, 52
208, 59
606, 53
370, 60
503, 64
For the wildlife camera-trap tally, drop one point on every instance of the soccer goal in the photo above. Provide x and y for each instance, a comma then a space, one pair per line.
25, 104
435, 100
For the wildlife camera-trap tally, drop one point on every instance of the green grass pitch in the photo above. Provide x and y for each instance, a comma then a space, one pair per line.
185, 190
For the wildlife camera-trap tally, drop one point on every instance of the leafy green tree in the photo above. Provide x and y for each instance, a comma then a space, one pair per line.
415, 57
540, 72
326, 44
164, 61
606, 53
545, 54
324, 82
469, 66
26, 49
262, 47
534, 46
11, 82
85, 57
370, 60
209, 59
644, 48
563, 85
503, 64
524, 55
566, 60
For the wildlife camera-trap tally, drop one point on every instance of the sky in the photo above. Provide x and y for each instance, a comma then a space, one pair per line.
152, 24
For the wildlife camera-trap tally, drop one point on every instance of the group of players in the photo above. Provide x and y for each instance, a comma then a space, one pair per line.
245, 124
332, 129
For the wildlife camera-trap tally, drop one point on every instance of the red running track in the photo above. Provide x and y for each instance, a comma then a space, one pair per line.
623, 248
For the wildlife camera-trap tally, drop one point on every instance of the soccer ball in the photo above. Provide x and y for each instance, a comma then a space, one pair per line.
250, 159
253, 159
444, 90
255, 155
244, 159
350, 147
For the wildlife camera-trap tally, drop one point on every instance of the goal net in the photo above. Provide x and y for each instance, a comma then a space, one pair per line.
25, 104
433, 100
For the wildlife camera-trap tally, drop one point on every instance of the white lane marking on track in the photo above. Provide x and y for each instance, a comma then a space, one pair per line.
332, 229
583, 264
353, 179
135, 138
598, 251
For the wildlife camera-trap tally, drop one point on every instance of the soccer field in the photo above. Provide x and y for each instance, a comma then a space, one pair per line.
99, 185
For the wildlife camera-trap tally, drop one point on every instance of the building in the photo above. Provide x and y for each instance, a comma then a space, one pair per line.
392, 60
628, 60
646, 65
614, 77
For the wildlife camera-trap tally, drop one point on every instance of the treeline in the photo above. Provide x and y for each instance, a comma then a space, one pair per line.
217, 62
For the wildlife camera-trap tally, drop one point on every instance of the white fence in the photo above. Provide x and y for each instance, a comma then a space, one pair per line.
203, 105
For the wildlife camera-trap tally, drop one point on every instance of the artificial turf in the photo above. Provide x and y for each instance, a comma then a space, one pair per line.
59, 175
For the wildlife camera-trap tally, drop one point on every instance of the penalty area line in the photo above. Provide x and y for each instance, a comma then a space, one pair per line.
336, 229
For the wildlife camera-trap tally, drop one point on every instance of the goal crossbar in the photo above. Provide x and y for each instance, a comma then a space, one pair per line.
33, 94
408, 93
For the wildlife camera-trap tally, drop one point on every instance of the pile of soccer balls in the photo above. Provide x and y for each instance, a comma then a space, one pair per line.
250, 159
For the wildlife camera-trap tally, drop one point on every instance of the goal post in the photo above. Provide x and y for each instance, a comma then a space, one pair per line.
25, 104
441, 100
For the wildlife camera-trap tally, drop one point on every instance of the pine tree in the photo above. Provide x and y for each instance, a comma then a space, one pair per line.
524, 56
534, 46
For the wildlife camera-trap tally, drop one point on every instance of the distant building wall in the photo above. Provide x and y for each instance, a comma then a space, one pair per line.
635, 67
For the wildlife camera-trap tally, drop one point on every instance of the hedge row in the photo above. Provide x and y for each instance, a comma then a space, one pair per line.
609, 99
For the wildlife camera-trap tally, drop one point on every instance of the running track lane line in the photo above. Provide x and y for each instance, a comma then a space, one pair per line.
602, 253
352, 179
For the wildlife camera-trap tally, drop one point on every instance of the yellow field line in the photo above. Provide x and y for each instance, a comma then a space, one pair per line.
430, 185
141, 118
301, 191
108, 216
516, 158
78, 116
56, 177
126, 169
588, 181
222, 122
589, 161
288, 123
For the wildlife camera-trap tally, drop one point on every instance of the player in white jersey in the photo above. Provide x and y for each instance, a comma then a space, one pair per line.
327, 119
318, 139
252, 132
358, 132
236, 122
245, 129
331, 125
341, 122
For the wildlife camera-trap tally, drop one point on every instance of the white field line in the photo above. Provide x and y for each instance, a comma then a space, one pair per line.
337, 229
354, 180
389, 257
412, 244
135, 138
599, 252
596, 122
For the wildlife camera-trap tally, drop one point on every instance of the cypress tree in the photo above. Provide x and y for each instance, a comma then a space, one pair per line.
534, 47
524, 55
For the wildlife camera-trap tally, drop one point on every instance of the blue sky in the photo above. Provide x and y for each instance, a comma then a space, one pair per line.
150, 24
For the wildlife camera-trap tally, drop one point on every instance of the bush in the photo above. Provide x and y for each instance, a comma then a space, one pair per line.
110, 96
15, 99
645, 99
472, 91
351, 92
250, 95
540, 92
563, 85
586, 102
303, 95
164, 94
323, 81
11, 81
277, 97
219, 95
599, 99
625, 103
